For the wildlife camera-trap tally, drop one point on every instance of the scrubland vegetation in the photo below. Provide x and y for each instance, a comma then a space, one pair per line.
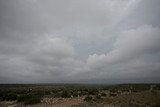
133, 95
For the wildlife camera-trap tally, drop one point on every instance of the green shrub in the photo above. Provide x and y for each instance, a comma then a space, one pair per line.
47, 92
98, 97
33, 100
10, 96
93, 92
58, 94
113, 94
66, 94
103, 94
29, 98
113, 90
88, 98
75, 94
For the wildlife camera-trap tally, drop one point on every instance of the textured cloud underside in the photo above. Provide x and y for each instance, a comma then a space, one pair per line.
104, 41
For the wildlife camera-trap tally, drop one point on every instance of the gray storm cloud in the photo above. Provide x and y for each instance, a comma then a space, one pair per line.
91, 41
135, 53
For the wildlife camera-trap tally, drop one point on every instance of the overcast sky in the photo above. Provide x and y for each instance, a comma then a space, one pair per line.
79, 41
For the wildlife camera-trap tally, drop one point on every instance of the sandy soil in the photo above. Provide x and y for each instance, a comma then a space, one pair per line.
59, 102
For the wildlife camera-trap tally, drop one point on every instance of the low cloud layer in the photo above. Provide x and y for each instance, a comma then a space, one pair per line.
79, 41
135, 55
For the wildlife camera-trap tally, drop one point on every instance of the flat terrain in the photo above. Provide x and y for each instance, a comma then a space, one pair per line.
79, 95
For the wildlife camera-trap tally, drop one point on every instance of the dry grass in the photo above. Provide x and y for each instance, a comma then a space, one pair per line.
140, 99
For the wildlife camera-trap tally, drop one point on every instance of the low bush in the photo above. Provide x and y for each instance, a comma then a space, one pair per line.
88, 98
29, 98
9, 96
93, 92
98, 97
103, 94
75, 94
66, 94
113, 94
